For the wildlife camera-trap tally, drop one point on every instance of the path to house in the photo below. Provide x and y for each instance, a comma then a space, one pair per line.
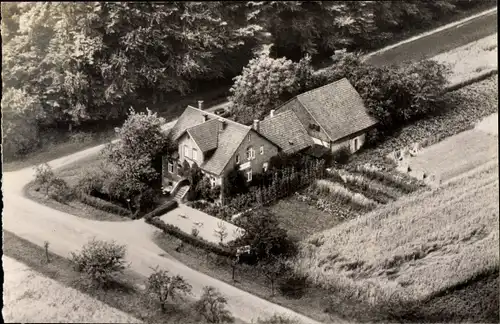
37, 223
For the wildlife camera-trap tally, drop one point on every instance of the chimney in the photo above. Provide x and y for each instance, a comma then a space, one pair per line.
256, 125
222, 124
272, 113
200, 104
205, 117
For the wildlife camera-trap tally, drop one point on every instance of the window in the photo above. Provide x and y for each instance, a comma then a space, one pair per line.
356, 144
250, 153
249, 137
212, 181
170, 167
249, 175
237, 159
261, 149
195, 154
186, 151
265, 166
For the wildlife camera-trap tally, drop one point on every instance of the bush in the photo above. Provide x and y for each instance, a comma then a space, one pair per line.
189, 238
60, 191
90, 181
163, 209
100, 261
293, 286
212, 306
342, 155
104, 205
277, 319
44, 177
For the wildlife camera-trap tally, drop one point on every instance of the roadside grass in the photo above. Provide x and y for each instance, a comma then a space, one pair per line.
471, 104
412, 250
126, 295
56, 144
311, 304
469, 61
29, 296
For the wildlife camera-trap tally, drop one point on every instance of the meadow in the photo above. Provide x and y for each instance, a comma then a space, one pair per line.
412, 249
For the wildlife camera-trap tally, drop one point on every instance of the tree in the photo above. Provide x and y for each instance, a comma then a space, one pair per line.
265, 83
44, 177
264, 235
100, 261
221, 231
273, 268
161, 286
234, 183
212, 306
130, 160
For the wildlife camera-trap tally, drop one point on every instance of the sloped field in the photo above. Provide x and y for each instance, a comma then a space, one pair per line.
413, 248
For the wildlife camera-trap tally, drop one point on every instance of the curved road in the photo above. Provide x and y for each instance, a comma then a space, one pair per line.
37, 223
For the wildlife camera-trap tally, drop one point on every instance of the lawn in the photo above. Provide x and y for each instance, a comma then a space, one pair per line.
469, 61
29, 295
301, 219
411, 250
126, 296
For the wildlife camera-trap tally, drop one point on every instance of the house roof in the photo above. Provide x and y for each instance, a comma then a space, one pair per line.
229, 136
338, 108
206, 135
286, 130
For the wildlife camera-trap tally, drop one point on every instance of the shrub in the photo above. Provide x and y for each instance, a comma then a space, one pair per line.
277, 319
293, 285
342, 155
160, 286
103, 205
60, 191
163, 209
100, 261
90, 181
195, 241
44, 176
195, 232
212, 306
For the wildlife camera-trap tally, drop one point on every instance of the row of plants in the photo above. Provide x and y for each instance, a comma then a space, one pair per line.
359, 183
339, 194
405, 184
341, 211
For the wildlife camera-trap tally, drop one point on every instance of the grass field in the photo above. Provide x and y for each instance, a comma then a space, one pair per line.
472, 59
28, 295
444, 161
414, 248
126, 295
471, 104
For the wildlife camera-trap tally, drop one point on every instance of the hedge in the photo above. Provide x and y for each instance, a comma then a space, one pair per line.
195, 241
163, 209
104, 205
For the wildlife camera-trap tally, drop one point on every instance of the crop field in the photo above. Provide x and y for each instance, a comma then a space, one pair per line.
28, 295
472, 103
470, 60
413, 248
444, 161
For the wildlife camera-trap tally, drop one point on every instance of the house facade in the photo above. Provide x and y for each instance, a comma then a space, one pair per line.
323, 119
217, 145
333, 115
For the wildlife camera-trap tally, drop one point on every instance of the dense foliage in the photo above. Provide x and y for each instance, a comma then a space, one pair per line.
67, 64
267, 82
100, 261
161, 286
212, 306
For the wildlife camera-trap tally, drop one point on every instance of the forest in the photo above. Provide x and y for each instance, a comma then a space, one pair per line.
65, 65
